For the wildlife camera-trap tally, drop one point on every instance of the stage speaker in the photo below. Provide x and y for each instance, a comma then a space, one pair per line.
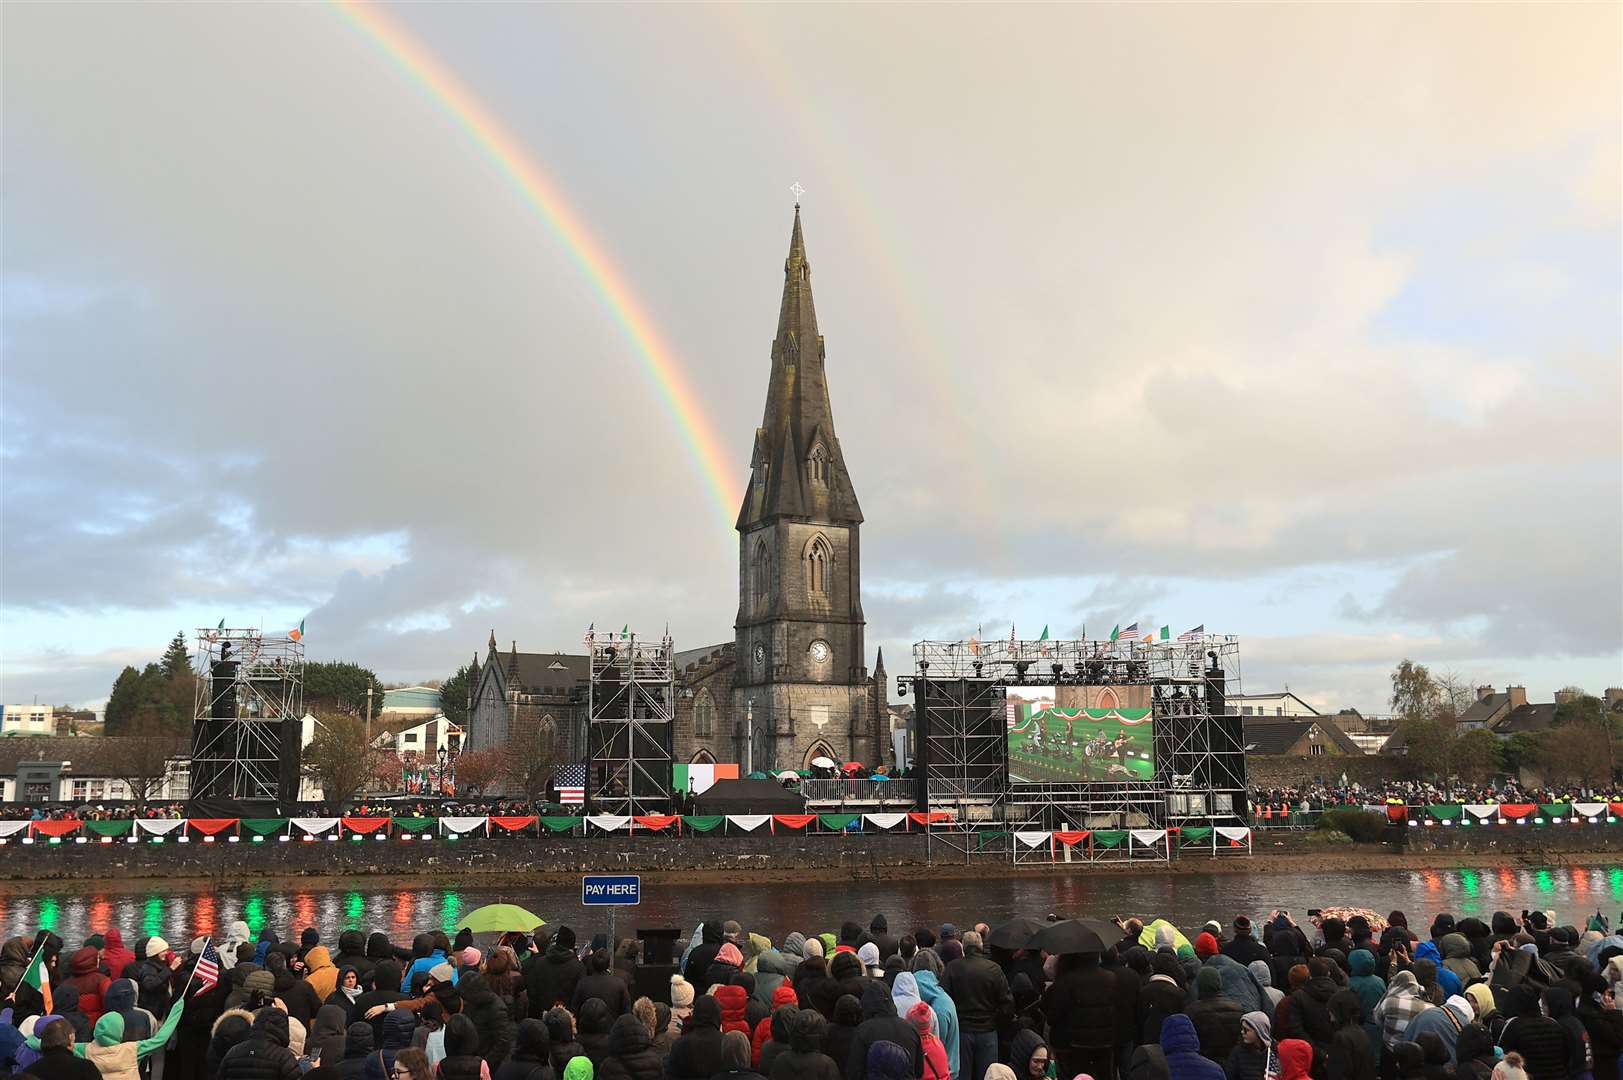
223, 690
652, 981
287, 752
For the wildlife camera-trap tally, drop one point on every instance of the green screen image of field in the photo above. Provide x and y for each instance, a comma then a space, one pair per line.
1051, 745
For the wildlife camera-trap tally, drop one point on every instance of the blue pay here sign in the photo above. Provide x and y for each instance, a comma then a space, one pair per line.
601, 889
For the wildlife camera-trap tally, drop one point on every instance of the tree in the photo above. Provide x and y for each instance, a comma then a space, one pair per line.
339, 757
177, 661
140, 758
1519, 751
528, 759
123, 702
1567, 753
454, 697
339, 686
1414, 695
477, 771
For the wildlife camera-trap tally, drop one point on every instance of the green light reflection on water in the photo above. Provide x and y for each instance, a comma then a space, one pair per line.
49, 911
1470, 882
152, 915
354, 908
253, 912
1544, 881
450, 910
1614, 878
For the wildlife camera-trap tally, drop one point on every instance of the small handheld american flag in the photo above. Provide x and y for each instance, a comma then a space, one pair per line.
570, 780
207, 971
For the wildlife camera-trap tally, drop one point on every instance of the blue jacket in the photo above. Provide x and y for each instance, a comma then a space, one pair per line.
946, 1015
1181, 1047
426, 964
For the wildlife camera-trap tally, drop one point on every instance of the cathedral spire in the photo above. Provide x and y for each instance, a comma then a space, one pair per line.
798, 469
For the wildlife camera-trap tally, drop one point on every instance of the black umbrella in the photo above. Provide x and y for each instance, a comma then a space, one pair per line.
1013, 934
1108, 932
1065, 938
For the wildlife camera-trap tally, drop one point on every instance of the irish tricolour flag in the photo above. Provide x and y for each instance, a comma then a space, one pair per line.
36, 976
699, 778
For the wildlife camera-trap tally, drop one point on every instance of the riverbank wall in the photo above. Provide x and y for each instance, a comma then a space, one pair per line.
475, 861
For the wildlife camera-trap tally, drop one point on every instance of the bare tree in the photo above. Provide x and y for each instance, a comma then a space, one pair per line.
528, 760
477, 771
141, 759
339, 757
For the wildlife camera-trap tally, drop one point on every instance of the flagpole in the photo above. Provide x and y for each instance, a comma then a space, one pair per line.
193, 974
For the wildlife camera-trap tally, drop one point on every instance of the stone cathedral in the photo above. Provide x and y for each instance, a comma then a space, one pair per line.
793, 684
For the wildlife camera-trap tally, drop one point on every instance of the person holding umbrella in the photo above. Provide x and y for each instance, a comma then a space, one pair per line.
1081, 1002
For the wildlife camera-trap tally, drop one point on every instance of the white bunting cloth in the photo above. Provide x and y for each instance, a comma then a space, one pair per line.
748, 822
609, 822
1149, 836
1590, 809
1483, 810
1233, 832
884, 821
158, 826
1033, 839
12, 828
315, 825
462, 824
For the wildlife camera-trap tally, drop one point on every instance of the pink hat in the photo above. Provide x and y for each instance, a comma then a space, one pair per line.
471, 957
729, 954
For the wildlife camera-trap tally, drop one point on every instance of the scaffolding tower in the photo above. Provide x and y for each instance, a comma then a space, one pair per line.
631, 713
247, 716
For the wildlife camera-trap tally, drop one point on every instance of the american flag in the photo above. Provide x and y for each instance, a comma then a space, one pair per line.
1193, 635
207, 971
570, 780
1129, 633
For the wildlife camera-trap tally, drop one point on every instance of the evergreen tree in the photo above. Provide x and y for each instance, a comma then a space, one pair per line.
454, 697
177, 661
124, 701
341, 686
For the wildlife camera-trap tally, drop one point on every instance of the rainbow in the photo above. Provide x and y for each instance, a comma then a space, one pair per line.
527, 177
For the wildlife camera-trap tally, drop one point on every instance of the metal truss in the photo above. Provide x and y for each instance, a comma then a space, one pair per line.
631, 713
249, 702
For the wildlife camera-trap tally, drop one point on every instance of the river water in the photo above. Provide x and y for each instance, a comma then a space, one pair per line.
75, 910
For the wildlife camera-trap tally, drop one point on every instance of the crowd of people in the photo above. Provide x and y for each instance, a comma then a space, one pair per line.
1313, 798
1360, 998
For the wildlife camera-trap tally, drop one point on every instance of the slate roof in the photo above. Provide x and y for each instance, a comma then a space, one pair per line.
544, 671
1529, 717
1481, 709
67, 748
688, 657
1276, 735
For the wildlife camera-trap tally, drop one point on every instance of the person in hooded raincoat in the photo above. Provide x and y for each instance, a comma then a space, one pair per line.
115, 1058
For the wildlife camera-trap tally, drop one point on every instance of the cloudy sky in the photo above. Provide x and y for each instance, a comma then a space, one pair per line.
1299, 322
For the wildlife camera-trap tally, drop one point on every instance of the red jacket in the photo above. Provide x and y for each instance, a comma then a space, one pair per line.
84, 972
734, 1002
115, 957
783, 995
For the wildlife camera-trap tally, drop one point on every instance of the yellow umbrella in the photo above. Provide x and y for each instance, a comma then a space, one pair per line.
501, 919
1147, 938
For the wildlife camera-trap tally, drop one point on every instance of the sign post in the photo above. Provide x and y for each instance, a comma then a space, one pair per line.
611, 891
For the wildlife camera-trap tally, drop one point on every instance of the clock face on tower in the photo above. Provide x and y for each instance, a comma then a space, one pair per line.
760, 656
819, 652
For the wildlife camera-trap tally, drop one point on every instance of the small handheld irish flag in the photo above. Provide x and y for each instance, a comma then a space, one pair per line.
39, 978
297, 635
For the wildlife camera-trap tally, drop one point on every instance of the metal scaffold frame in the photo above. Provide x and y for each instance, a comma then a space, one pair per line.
631, 714
250, 696
962, 751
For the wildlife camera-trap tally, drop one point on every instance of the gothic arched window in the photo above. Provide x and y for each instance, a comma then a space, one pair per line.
818, 558
704, 716
761, 568
817, 465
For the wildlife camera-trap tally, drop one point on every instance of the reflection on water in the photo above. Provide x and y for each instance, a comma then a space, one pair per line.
75, 910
